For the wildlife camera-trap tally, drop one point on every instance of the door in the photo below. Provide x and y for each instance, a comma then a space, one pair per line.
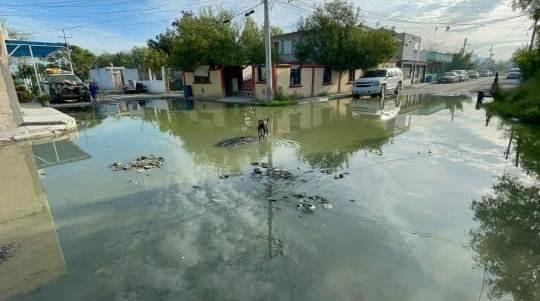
118, 83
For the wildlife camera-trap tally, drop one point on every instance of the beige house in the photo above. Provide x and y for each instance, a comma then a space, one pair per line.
299, 80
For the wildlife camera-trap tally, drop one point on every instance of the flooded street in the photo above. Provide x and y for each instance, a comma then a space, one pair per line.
372, 201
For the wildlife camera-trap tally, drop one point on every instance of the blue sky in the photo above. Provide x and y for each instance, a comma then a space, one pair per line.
113, 25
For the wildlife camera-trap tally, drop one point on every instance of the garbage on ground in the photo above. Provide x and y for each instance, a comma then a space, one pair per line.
141, 164
340, 176
7, 251
306, 207
316, 198
232, 142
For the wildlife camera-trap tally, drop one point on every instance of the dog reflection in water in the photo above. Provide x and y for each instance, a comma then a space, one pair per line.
262, 128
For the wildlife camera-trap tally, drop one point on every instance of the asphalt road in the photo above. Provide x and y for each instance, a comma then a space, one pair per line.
474, 85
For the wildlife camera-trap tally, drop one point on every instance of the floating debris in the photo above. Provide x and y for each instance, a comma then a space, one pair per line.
232, 142
226, 176
141, 164
196, 187
265, 165
306, 207
7, 251
280, 174
255, 163
299, 195
340, 176
257, 171
327, 206
352, 201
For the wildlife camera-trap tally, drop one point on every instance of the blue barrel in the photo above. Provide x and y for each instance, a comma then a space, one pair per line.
188, 91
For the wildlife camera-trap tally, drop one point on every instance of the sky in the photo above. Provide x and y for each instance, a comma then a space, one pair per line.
114, 25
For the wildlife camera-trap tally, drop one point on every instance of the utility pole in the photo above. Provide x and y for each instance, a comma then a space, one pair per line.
491, 62
268, 52
68, 51
464, 46
535, 26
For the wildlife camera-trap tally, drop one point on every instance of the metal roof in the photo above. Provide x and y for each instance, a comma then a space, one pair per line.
19, 48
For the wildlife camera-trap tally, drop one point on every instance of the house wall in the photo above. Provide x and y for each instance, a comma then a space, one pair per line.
130, 74
10, 113
212, 89
311, 82
103, 77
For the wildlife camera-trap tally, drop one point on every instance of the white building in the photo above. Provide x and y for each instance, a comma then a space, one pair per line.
113, 78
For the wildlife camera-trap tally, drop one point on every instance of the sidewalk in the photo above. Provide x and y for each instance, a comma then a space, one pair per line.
39, 122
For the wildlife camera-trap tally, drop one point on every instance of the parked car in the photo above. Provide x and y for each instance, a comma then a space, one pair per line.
514, 73
485, 73
449, 77
462, 75
65, 88
378, 82
473, 74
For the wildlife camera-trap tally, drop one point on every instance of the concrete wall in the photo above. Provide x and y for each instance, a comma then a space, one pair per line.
103, 77
213, 89
130, 74
26, 223
154, 86
10, 112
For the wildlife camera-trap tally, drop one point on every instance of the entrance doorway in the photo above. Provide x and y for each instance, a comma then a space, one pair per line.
233, 80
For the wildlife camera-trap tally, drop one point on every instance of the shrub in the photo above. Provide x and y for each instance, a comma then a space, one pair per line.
528, 61
23, 94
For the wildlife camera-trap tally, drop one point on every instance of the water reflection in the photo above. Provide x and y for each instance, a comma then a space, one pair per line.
362, 124
507, 239
27, 230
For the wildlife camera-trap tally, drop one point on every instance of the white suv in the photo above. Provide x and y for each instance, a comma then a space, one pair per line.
378, 82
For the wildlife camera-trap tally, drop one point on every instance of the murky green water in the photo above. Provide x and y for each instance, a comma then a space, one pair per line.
204, 227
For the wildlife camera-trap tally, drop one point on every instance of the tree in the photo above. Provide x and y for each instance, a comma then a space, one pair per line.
507, 239
163, 41
461, 61
82, 60
251, 43
331, 36
532, 8
205, 39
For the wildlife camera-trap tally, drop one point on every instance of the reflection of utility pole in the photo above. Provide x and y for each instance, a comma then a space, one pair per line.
268, 52
68, 50
507, 153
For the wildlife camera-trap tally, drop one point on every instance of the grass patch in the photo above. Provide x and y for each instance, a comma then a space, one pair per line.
522, 102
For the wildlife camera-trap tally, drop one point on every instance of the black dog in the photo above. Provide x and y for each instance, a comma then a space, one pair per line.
262, 128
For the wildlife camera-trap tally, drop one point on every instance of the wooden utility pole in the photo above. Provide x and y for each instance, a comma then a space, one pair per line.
268, 52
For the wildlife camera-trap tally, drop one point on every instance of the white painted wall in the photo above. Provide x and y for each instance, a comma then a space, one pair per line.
130, 74
103, 77
154, 86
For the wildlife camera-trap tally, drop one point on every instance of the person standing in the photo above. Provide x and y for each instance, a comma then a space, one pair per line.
94, 89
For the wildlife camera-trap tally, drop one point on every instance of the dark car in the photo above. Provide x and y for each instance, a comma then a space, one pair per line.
66, 88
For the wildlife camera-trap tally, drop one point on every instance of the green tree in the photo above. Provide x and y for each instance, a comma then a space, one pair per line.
251, 43
528, 61
163, 41
205, 39
532, 8
331, 36
507, 239
82, 60
461, 61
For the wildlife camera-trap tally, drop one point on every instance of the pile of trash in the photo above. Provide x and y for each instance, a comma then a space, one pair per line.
305, 202
272, 172
141, 164
232, 142
6, 251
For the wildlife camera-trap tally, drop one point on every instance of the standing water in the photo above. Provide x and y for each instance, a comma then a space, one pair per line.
352, 199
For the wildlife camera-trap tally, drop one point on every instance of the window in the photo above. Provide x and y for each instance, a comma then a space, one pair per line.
327, 75
261, 73
352, 75
287, 47
296, 75
201, 74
